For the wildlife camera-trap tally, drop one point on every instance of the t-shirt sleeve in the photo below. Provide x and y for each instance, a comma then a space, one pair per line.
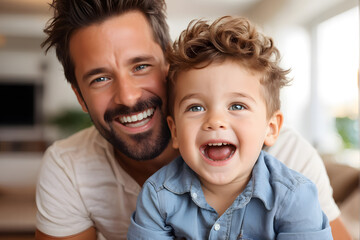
61, 212
296, 153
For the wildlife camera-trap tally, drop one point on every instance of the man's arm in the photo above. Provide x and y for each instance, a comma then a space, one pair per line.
61, 211
88, 234
339, 230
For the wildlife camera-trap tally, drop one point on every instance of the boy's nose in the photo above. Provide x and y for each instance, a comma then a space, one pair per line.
126, 92
215, 121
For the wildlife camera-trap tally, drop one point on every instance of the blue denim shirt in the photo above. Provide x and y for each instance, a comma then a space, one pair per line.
277, 203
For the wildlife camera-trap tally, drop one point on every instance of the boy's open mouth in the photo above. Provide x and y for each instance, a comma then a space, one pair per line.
218, 151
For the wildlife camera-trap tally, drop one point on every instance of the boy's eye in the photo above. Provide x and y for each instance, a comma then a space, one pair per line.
196, 109
236, 107
141, 67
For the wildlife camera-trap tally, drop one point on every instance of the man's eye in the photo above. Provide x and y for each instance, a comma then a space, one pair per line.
196, 109
101, 79
236, 107
141, 67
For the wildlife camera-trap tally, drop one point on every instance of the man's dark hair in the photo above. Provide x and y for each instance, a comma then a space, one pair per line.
70, 15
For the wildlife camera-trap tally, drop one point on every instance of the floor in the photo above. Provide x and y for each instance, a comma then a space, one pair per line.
18, 174
17, 236
17, 218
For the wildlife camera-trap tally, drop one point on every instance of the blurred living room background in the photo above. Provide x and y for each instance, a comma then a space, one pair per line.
318, 40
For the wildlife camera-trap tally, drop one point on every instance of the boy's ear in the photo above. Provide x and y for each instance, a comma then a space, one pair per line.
79, 98
274, 127
171, 124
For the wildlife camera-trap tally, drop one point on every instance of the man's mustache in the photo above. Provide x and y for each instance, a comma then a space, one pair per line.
140, 106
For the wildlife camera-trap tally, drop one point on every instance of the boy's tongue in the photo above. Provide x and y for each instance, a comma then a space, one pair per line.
218, 153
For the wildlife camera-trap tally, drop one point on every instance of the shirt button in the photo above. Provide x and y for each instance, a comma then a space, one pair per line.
194, 195
217, 227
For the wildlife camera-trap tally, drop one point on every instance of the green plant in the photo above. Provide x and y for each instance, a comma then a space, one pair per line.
348, 129
70, 121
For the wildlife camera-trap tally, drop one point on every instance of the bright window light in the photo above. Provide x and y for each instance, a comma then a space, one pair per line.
338, 63
337, 89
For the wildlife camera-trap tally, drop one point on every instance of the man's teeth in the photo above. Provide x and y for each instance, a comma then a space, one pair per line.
138, 117
217, 144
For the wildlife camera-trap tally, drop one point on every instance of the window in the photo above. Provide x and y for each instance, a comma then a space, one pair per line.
335, 86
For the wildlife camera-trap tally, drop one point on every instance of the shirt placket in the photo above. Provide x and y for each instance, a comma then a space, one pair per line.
228, 226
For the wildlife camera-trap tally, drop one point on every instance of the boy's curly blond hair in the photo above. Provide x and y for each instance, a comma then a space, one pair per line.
232, 38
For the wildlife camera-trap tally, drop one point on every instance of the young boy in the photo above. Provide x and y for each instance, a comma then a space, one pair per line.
224, 84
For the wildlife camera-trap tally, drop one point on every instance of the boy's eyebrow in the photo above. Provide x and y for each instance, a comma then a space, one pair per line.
186, 97
244, 95
235, 94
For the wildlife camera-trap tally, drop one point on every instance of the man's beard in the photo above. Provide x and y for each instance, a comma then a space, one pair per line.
148, 144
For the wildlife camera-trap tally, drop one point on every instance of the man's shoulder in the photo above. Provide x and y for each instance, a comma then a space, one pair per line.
77, 139
81, 139
293, 150
289, 135
85, 143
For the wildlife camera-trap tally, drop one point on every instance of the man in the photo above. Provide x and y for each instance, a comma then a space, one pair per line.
113, 57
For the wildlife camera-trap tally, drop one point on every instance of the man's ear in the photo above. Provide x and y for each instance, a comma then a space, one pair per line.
79, 98
166, 69
274, 126
171, 124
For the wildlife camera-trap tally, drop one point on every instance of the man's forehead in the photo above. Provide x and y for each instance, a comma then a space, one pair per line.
121, 36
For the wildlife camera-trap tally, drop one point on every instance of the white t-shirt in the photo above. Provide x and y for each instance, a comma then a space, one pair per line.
81, 185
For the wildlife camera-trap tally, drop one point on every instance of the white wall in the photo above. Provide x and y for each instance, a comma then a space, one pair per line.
22, 59
291, 24
286, 20
58, 94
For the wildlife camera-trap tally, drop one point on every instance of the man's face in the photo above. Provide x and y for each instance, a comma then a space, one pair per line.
121, 74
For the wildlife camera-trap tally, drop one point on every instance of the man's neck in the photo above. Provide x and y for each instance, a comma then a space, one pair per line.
142, 170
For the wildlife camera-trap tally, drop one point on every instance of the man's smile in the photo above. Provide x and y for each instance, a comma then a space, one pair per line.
136, 119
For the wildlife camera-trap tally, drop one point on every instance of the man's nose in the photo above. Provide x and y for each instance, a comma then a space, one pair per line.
127, 92
214, 121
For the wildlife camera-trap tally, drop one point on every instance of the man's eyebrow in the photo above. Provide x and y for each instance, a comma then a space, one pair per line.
93, 72
134, 60
144, 58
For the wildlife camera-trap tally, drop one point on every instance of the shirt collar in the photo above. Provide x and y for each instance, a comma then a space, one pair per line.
262, 181
180, 178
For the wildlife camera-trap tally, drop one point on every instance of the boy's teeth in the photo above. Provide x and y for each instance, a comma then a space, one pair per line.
217, 144
138, 117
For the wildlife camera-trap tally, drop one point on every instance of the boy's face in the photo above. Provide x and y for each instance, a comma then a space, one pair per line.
220, 122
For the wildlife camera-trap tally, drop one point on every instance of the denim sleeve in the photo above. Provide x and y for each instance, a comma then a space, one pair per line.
147, 222
300, 215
